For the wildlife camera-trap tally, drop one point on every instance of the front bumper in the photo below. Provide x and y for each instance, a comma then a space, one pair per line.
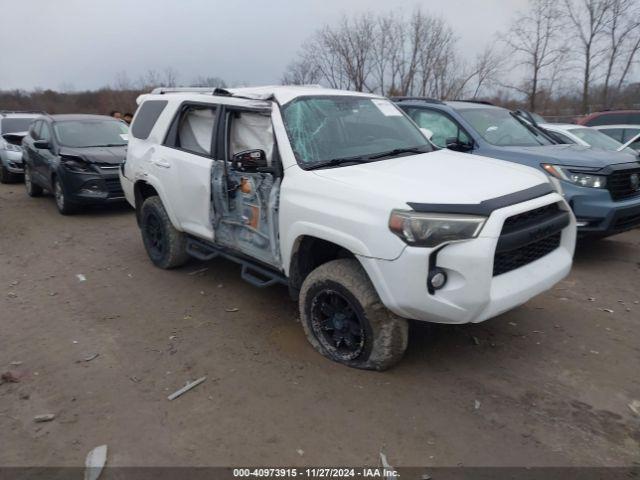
599, 212
12, 161
472, 293
92, 188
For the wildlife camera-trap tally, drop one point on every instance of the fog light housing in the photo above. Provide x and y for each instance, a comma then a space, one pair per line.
437, 279
93, 187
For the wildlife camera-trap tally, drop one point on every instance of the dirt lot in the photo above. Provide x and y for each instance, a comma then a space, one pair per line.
546, 384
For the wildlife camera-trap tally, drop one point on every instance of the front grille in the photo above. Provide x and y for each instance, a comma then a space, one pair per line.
620, 184
507, 261
114, 188
531, 217
529, 236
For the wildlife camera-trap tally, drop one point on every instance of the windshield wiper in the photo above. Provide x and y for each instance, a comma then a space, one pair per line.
529, 127
338, 161
397, 151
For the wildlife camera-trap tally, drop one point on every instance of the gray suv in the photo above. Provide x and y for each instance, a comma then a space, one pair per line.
13, 128
602, 187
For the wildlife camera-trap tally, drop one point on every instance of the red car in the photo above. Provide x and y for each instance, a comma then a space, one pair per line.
611, 117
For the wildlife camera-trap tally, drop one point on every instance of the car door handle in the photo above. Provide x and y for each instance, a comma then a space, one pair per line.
161, 163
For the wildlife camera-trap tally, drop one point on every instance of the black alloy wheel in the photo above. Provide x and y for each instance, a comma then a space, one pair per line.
338, 325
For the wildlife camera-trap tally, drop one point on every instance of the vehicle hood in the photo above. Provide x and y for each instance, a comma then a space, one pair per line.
15, 137
443, 176
571, 155
109, 155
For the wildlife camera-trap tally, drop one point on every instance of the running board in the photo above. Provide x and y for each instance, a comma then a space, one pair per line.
251, 272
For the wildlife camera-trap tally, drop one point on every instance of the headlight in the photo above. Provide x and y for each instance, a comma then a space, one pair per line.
433, 229
10, 146
576, 176
76, 164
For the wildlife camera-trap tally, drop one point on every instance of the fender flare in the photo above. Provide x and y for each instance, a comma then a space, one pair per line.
151, 181
306, 229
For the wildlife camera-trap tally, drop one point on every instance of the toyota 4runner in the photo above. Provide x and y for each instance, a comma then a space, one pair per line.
340, 196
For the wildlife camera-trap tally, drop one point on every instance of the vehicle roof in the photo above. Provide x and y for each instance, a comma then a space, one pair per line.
459, 105
562, 126
280, 93
605, 112
63, 117
606, 127
454, 104
285, 93
19, 114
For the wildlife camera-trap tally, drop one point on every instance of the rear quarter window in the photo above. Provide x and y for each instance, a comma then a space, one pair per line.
146, 118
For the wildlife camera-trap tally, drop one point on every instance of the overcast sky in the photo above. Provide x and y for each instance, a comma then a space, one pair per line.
84, 43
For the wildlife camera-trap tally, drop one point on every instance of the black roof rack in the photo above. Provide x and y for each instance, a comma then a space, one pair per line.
480, 102
422, 99
206, 90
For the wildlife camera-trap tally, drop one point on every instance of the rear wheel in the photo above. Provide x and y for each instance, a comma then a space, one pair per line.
166, 246
33, 190
8, 177
345, 321
65, 207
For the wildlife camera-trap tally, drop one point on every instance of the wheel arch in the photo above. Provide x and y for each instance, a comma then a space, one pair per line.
308, 253
143, 189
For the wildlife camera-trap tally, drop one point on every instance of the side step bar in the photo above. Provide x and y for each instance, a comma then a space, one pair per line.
251, 272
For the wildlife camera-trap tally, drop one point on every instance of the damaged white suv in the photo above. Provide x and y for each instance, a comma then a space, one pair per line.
340, 196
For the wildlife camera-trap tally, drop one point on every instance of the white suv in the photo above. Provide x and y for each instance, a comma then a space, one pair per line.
340, 196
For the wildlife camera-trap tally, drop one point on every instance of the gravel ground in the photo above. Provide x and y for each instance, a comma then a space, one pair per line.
548, 384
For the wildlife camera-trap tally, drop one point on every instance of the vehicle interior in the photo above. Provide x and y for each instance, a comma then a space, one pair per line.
245, 186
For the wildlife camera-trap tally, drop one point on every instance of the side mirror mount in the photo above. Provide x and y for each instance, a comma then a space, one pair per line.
41, 145
427, 133
250, 161
454, 143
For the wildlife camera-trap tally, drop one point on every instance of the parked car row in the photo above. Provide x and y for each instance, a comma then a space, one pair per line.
600, 185
76, 157
372, 212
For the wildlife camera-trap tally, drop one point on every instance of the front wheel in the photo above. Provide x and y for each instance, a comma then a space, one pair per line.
345, 321
6, 176
65, 207
33, 190
166, 246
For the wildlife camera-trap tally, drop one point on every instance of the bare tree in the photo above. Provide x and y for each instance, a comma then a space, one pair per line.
122, 81
534, 40
487, 67
436, 55
386, 45
169, 77
589, 19
628, 61
623, 36
212, 82
392, 55
150, 79
302, 71
352, 46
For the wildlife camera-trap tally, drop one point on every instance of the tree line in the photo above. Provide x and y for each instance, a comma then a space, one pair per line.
549, 48
120, 96
557, 57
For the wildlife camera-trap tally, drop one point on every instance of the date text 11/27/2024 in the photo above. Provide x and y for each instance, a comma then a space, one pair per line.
309, 473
